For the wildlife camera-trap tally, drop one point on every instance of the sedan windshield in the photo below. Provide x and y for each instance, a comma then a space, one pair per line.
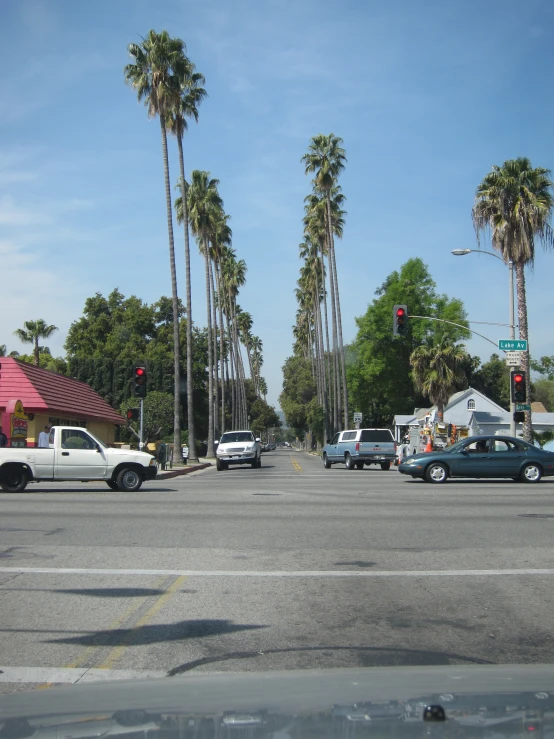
234, 436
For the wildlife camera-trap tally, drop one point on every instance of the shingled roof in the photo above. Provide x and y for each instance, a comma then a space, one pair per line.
42, 390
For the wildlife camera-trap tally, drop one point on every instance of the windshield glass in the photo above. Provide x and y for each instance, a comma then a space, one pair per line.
236, 436
376, 435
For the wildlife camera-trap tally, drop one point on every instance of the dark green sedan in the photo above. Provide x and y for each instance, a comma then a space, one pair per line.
482, 456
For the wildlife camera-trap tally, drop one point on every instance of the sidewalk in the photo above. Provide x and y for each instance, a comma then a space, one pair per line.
167, 474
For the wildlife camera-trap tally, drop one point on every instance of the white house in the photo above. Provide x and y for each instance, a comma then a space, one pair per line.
458, 411
492, 423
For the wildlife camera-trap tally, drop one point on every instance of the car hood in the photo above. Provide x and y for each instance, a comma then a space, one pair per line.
294, 704
425, 456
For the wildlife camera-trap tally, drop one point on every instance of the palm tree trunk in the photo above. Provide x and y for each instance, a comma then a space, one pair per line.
323, 379
336, 376
524, 334
210, 451
177, 448
328, 353
222, 353
216, 372
341, 346
190, 391
232, 369
36, 351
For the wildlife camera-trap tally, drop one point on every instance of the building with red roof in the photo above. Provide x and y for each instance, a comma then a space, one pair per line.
51, 399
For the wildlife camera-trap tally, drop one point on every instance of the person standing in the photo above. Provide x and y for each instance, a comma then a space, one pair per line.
43, 438
3, 438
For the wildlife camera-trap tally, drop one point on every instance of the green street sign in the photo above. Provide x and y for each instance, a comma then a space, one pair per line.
512, 345
523, 407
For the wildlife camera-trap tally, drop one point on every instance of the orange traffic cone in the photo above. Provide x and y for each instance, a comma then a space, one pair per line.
429, 447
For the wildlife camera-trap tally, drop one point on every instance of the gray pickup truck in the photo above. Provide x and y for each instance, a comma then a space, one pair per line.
357, 447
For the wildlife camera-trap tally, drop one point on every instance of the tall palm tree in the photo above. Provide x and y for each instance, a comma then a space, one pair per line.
204, 204
515, 202
3, 350
186, 106
326, 159
156, 72
439, 370
32, 333
220, 239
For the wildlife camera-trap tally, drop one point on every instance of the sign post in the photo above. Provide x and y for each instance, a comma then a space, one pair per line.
141, 432
358, 418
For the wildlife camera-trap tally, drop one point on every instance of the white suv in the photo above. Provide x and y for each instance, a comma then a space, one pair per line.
238, 447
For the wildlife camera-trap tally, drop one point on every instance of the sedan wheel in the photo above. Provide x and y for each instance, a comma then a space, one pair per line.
531, 473
436, 473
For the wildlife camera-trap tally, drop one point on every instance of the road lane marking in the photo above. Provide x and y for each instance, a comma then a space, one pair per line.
71, 675
295, 464
118, 651
273, 573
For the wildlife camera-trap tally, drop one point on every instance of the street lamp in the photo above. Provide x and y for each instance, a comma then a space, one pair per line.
510, 264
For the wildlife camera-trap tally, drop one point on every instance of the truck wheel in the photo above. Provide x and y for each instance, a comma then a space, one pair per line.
129, 480
385, 466
359, 465
112, 485
326, 462
14, 480
349, 462
254, 464
220, 466
259, 461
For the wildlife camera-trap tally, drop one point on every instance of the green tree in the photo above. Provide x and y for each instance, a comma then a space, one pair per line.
379, 370
515, 202
492, 379
156, 74
543, 392
439, 370
3, 350
544, 366
158, 415
32, 333
299, 390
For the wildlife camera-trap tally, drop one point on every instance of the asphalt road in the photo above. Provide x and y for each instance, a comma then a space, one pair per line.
286, 567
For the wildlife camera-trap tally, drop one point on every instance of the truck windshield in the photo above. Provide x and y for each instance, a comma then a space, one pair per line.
236, 436
377, 436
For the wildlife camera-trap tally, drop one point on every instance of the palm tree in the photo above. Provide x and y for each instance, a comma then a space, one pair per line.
186, 106
326, 159
156, 74
32, 333
515, 203
3, 350
204, 205
439, 370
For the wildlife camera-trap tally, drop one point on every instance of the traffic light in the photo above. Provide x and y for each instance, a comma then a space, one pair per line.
139, 381
519, 417
400, 320
133, 414
517, 384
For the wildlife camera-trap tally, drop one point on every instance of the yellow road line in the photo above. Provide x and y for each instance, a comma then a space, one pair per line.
117, 652
296, 465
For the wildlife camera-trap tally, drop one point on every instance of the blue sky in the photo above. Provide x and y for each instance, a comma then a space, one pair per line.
426, 94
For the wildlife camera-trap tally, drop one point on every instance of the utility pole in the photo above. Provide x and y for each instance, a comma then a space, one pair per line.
141, 432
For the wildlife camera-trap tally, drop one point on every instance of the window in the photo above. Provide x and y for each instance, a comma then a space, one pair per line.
236, 436
348, 435
377, 436
471, 405
335, 439
76, 439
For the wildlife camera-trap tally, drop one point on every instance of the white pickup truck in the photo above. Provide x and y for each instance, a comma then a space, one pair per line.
75, 454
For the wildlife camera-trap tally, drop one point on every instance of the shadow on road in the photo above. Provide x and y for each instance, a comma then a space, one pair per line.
111, 592
368, 657
157, 633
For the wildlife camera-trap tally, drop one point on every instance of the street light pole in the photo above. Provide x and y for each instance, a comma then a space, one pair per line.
510, 265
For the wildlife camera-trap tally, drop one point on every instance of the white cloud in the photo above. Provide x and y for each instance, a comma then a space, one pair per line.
15, 215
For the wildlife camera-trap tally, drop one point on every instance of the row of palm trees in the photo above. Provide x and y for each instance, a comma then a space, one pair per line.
166, 80
323, 220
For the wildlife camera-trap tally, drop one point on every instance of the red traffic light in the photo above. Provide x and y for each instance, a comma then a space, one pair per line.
400, 312
518, 378
139, 371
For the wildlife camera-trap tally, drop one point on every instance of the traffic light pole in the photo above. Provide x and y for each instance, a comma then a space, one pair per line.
141, 432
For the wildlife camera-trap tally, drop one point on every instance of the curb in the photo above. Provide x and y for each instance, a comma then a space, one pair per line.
182, 471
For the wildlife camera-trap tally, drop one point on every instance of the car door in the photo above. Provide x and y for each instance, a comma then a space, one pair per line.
79, 457
332, 448
345, 444
473, 460
506, 458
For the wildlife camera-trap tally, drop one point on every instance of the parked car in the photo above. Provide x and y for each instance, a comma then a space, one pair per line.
357, 447
75, 454
238, 447
482, 456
